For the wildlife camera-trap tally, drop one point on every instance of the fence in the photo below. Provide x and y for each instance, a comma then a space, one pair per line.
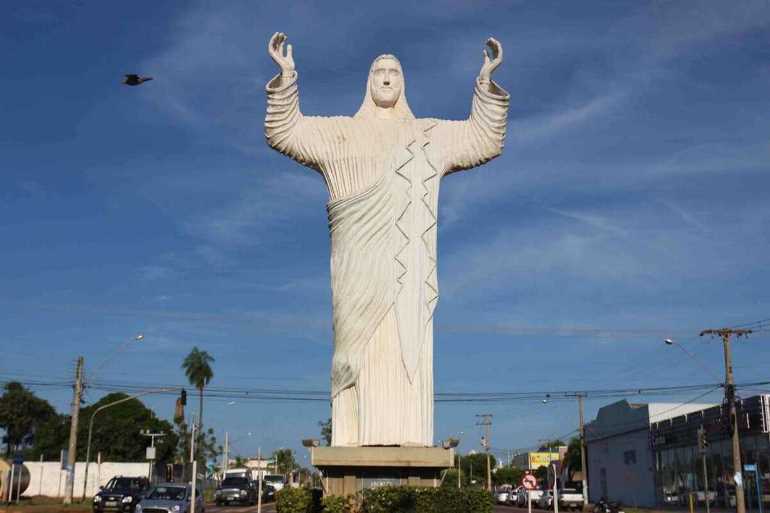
47, 478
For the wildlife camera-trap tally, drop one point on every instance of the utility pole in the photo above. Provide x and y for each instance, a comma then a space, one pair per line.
583, 448
226, 459
69, 486
459, 471
486, 421
194, 466
725, 334
261, 477
151, 452
703, 445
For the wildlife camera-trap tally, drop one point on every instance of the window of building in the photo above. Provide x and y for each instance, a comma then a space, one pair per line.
629, 457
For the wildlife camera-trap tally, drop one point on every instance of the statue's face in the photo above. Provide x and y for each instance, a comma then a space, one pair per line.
386, 83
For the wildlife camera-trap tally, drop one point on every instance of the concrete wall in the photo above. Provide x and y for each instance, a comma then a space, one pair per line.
622, 467
46, 478
622, 429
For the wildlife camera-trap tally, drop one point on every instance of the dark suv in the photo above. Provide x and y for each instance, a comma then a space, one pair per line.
236, 490
120, 494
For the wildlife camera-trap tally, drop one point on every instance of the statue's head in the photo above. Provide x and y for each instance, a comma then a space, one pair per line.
385, 89
385, 81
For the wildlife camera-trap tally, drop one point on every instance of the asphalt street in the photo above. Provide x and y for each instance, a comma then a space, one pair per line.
266, 508
270, 508
510, 509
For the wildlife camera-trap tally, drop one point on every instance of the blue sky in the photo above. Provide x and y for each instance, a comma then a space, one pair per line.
630, 203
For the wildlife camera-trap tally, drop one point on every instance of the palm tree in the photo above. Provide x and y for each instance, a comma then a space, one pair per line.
198, 371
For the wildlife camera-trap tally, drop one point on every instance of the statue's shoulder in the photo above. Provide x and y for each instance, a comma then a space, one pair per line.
332, 121
426, 124
340, 119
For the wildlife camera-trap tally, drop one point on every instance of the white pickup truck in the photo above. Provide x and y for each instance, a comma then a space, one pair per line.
570, 498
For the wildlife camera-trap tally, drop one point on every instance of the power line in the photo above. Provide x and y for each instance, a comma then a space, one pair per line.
283, 394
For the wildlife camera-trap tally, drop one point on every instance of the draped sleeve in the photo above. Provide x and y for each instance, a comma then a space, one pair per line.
287, 130
469, 143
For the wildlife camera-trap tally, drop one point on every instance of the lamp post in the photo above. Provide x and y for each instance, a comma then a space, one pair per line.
136, 338
459, 468
91, 425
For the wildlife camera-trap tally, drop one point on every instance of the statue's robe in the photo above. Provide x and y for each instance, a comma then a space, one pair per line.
383, 178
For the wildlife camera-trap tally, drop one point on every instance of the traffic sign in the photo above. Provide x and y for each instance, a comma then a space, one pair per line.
529, 482
750, 468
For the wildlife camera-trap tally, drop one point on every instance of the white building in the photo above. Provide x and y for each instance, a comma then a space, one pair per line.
621, 463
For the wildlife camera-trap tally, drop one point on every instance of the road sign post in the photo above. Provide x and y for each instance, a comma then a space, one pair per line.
757, 482
529, 482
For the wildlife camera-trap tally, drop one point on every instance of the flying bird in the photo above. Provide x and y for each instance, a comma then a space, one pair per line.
134, 80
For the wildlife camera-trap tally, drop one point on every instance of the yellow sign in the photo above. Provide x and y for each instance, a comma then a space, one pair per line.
542, 459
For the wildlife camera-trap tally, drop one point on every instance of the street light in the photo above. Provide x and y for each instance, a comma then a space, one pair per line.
136, 338
672, 342
459, 470
91, 426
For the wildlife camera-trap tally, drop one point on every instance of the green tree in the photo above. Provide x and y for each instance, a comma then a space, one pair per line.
197, 368
326, 430
551, 445
116, 431
507, 475
50, 438
573, 454
22, 413
474, 468
284, 460
207, 447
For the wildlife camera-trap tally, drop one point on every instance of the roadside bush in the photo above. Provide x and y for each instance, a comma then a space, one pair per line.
405, 499
335, 504
452, 500
294, 500
389, 499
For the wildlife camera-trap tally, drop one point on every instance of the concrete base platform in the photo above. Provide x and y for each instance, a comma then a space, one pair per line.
349, 470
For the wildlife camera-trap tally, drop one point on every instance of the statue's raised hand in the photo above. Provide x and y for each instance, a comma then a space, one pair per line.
285, 60
493, 56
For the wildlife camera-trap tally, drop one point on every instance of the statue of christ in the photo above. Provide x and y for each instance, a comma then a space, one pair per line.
382, 168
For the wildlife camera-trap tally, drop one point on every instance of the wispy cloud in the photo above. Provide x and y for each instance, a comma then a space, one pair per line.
258, 210
594, 220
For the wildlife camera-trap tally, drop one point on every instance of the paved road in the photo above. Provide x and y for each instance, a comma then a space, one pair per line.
268, 507
510, 509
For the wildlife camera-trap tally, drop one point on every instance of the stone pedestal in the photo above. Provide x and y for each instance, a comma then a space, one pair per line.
348, 470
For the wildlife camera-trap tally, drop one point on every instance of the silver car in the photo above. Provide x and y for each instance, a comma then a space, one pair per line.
170, 498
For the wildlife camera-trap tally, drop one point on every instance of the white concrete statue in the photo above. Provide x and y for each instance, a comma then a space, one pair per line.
383, 167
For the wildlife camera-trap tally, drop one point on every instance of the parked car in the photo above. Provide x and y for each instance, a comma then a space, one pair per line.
501, 496
521, 498
170, 497
277, 481
513, 496
236, 490
268, 492
545, 501
570, 498
120, 494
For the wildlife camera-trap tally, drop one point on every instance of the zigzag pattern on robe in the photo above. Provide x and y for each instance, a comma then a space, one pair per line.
412, 341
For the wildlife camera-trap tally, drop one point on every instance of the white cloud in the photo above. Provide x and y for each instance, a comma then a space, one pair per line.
257, 210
